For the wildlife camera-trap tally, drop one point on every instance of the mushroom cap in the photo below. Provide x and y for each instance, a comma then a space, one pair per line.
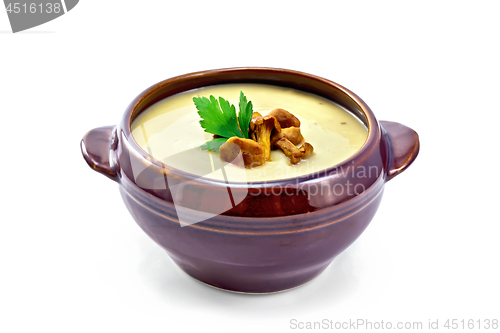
306, 149
267, 121
285, 118
251, 151
293, 134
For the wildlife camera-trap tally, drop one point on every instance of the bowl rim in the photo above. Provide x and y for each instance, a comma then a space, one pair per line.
132, 112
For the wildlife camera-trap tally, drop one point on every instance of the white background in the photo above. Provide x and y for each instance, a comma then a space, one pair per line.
73, 260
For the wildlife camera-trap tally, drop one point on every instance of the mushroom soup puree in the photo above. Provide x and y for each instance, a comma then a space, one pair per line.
170, 131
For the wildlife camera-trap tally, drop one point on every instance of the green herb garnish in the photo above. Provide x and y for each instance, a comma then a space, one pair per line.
245, 114
219, 117
214, 144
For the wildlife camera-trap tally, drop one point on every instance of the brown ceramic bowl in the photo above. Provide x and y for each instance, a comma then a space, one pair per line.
282, 233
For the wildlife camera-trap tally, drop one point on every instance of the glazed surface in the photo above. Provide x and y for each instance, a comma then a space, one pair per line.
170, 131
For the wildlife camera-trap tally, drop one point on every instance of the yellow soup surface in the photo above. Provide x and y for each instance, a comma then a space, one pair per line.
170, 131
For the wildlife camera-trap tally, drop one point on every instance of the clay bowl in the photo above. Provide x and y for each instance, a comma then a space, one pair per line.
277, 235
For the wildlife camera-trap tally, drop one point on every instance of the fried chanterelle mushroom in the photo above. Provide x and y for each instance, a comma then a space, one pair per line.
288, 144
306, 149
293, 134
279, 129
285, 118
252, 152
261, 130
291, 151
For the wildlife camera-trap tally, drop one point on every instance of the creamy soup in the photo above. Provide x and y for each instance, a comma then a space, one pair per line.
170, 131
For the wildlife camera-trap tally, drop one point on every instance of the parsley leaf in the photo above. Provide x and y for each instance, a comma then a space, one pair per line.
219, 117
214, 145
245, 114
216, 121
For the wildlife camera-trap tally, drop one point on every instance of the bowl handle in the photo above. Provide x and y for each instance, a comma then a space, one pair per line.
96, 147
404, 145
